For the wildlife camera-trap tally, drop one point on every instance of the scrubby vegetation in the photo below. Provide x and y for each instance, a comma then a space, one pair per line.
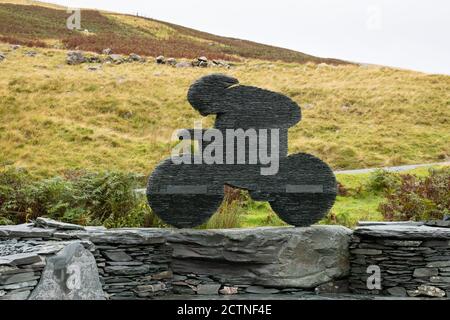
109, 199
421, 194
31, 24
409, 197
85, 198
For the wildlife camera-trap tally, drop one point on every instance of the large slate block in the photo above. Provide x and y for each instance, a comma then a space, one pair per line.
26, 230
403, 231
54, 224
71, 274
276, 257
130, 236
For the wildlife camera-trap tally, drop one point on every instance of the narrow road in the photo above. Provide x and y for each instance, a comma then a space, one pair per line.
394, 169
358, 171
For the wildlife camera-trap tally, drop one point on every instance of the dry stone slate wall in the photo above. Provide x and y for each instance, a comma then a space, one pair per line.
413, 259
36, 261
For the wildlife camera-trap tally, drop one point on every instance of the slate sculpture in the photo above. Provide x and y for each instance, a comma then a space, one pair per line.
186, 194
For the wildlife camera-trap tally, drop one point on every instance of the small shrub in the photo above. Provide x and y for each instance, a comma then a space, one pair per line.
381, 180
228, 215
343, 218
419, 198
342, 190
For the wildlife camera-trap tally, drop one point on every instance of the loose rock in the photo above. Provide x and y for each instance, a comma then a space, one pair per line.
81, 281
208, 289
228, 290
116, 58
171, 62
427, 291
160, 60
107, 51
397, 292
75, 57
135, 58
200, 62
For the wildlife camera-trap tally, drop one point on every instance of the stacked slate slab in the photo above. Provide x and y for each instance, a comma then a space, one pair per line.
258, 260
413, 258
130, 270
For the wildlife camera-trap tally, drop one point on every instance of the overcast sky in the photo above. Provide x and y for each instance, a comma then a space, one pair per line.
412, 34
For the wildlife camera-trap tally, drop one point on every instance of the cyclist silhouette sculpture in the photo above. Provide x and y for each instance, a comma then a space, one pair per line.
185, 190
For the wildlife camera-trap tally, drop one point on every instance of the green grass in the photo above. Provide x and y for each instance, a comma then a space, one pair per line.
359, 205
349, 209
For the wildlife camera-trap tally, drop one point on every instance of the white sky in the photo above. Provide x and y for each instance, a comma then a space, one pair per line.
412, 34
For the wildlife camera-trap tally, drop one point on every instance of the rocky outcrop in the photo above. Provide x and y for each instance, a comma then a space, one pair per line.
413, 259
268, 257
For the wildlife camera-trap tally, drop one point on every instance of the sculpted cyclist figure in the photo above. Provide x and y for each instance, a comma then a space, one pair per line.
248, 149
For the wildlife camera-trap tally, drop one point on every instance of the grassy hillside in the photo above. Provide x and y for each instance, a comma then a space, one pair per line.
46, 26
54, 116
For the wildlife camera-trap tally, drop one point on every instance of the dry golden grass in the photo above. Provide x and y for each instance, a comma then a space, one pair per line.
54, 116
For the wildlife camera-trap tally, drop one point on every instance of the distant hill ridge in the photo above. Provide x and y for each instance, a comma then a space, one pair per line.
40, 24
